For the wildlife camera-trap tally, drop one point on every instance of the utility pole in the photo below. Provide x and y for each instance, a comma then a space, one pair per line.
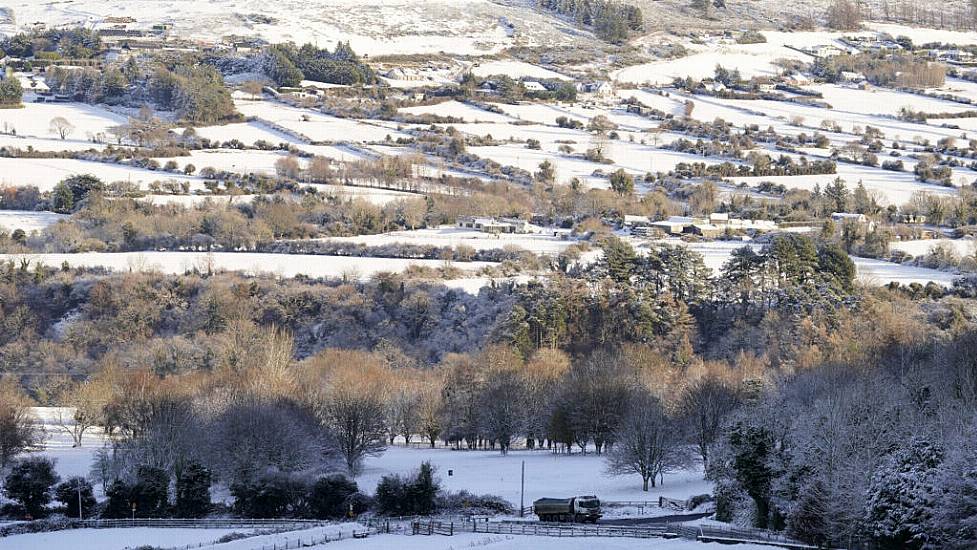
80, 518
522, 491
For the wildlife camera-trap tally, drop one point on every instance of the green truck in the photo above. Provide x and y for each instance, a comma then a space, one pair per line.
581, 509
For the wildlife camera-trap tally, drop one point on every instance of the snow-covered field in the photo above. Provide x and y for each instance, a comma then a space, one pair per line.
456, 109
125, 539
373, 195
34, 120
374, 27
515, 69
114, 539
961, 247
547, 474
283, 265
542, 243
232, 160
317, 126
46, 173
28, 221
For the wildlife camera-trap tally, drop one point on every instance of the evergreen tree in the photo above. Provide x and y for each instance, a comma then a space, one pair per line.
30, 482
150, 493
73, 492
193, 491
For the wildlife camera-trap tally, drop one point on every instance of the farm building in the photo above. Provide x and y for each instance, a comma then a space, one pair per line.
494, 225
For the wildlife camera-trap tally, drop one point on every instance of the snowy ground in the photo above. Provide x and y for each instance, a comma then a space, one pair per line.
456, 109
515, 69
124, 539
373, 27
34, 119
283, 265
28, 221
547, 474
514, 542
114, 539
317, 126
232, 160
46, 173
962, 247
543, 243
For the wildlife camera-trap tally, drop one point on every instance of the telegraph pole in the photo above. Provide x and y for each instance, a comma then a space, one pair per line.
522, 491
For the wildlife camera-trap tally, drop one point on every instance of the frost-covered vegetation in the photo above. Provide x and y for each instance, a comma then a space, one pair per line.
273, 274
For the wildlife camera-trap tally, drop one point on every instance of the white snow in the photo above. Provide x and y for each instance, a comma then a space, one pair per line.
34, 119
46, 173
515, 69
962, 247
283, 265
25, 143
28, 221
880, 101
245, 132
375, 195
456, 109
318, 127
547, 474
543, 243
232, 160
112, 539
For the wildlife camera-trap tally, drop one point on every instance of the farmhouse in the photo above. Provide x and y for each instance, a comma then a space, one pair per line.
494, 225
824, 51
860, 219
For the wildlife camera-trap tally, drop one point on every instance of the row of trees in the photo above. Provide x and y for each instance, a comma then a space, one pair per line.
612, 21
288, 65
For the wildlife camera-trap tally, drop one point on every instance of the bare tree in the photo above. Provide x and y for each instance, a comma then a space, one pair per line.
252, 88
647, 442
288, 167
844, 15
503, 408
61, 126
705, 406
84, 403
348, 390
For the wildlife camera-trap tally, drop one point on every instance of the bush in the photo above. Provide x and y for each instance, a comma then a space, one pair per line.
466, 502
30, 482
329, 497
118, 496
271, 496
415, 495
67, 494
193, 492
151, 492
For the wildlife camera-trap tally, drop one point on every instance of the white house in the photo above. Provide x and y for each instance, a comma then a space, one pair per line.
533, 86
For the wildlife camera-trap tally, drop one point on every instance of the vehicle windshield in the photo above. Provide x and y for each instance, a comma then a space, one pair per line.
593, 503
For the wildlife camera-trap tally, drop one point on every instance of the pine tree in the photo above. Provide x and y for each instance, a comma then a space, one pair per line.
193, 491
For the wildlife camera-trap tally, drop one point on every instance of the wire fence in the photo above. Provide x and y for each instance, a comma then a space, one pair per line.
664, 530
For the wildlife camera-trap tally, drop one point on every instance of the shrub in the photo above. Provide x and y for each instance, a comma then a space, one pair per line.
193, 492
466, 502
415, 495
118, 496
271, 496
329, 496
73, 492
29, 483
151, 492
